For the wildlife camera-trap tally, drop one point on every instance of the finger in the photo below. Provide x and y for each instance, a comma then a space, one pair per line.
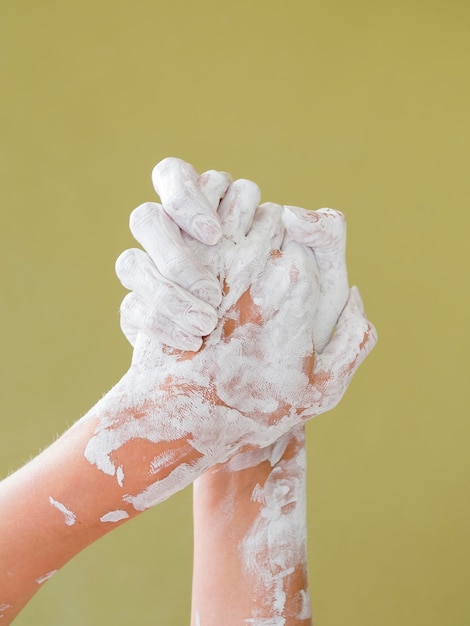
162, 239
324, 231
237, 208
137, 317
293, 276
247, 261
267, 225
213, 185
176, 182
136, 271
353, 340
128, 327
264, 237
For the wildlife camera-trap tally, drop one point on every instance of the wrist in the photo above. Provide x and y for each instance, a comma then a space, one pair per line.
253, 517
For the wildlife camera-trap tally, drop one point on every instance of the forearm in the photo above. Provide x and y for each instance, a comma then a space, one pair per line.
68, 496
250, 542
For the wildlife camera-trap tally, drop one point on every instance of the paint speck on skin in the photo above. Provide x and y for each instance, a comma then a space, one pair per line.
42, 579
70, 518
3, 608
268, 556
198, 619
306, 611
120, 475
114, 516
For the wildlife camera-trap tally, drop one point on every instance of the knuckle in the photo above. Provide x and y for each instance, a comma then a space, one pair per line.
176, 268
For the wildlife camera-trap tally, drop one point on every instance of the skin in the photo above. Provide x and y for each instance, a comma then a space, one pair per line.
174, 414
250, 511
250, 540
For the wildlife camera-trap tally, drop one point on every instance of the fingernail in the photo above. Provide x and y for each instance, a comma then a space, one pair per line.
206, 229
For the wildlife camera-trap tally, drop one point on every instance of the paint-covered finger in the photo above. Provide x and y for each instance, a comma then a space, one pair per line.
354, 338
214, 185
136, 271
176, 182
245, 263
289, 289
324, 231
237, 208
262, 240
330, 256
137, 316
267, 225
162, 239
129, 329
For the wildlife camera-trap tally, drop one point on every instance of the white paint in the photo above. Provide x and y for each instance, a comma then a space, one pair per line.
275, 544
306, 609
114, 516
236, 210
70, 518
120, 475
167, 458
265, 621
257, 373
3, 608
325, 232
176, 182
43, 579
172, 263
198, 619
213, 185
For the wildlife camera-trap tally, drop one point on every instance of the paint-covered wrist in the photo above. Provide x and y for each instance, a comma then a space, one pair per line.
254, 517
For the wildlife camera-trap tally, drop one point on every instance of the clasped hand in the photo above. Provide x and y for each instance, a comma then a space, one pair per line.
256, 376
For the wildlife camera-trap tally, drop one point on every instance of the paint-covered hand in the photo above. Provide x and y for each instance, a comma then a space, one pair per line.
174, 294
260, 361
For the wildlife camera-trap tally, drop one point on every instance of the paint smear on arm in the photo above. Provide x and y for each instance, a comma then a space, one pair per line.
70, 518
42, 579
114, 516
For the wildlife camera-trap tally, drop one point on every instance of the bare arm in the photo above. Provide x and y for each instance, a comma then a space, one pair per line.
59, 503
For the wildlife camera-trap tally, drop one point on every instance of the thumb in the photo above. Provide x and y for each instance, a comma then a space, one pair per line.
354, 338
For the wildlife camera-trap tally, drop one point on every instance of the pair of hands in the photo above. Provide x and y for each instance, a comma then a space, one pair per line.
264, 286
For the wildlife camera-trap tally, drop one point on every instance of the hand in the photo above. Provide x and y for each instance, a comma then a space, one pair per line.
175, 308
324, 231
244, 387
174, 296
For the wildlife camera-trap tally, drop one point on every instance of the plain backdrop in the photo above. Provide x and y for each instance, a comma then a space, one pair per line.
361, 106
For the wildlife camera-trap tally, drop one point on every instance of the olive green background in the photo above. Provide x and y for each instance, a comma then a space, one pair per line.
361, 106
